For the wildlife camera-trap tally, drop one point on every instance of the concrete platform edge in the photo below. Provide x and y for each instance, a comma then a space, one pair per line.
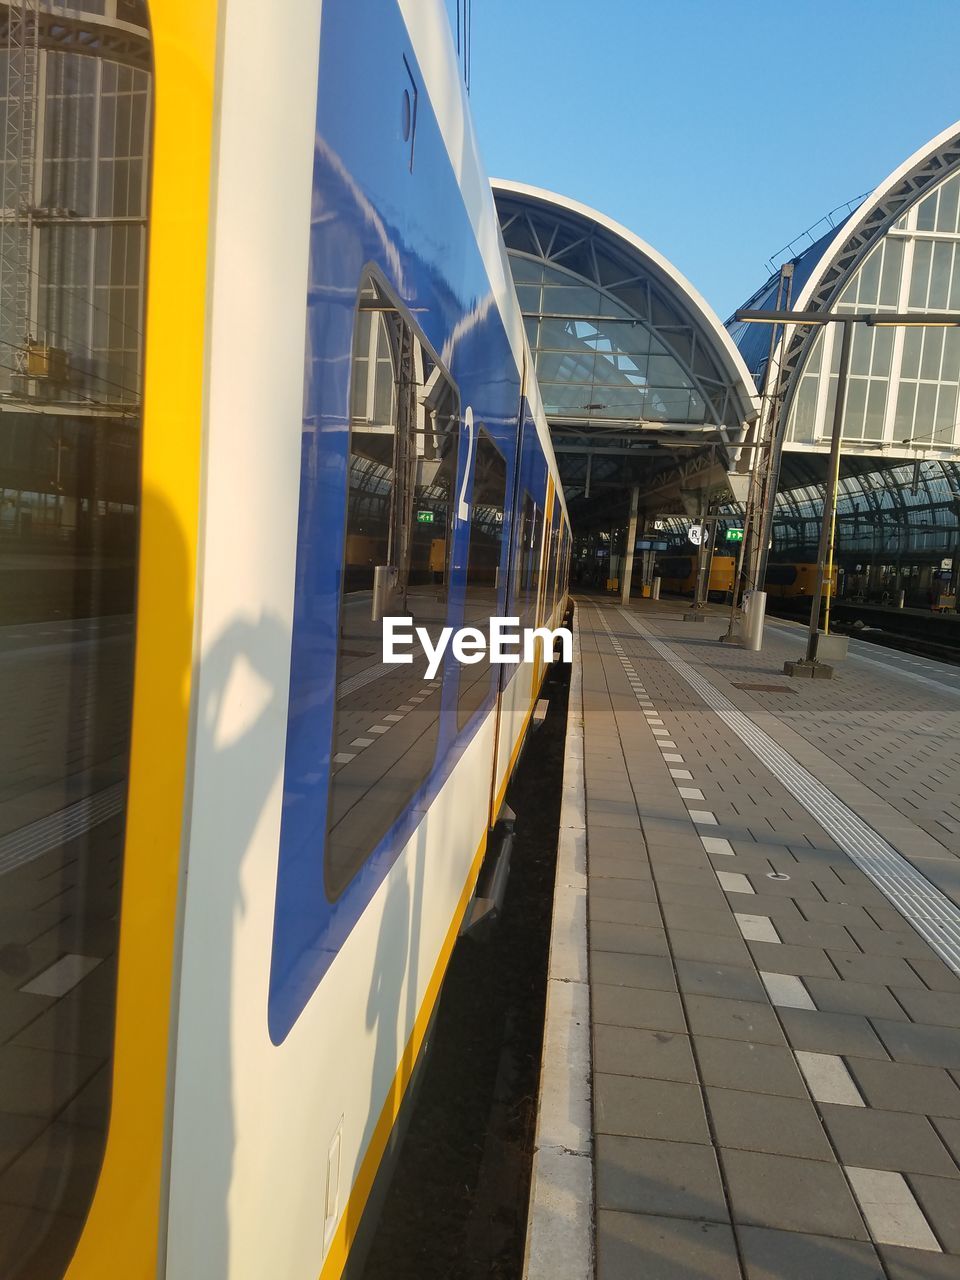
560, 1233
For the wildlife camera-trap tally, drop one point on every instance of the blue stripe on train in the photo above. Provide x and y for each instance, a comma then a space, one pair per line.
370, 209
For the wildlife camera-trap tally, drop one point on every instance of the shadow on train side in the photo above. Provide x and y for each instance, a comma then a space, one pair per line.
394, 1060
236, 767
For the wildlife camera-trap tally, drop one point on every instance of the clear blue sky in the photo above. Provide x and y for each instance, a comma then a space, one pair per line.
717, 130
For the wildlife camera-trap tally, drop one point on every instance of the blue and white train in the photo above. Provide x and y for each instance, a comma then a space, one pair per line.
339, 421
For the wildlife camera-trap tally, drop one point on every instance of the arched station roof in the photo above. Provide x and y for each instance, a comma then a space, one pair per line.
640, 381
899, 251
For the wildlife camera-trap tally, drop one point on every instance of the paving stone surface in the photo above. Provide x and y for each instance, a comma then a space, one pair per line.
793, 1255
711, 1157
872, 1139
629, 1246
791, 1195
783, 1126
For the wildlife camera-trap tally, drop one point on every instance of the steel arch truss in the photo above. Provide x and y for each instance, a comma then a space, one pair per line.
934, 166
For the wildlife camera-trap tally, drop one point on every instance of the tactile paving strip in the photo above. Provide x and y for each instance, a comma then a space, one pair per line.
921, 903
365, 677
48, 833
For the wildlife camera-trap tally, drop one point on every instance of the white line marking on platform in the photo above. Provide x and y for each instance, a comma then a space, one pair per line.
393, 718
378, 728
362, 742
660, 733
681, 773
890, 1210
717, 844
673, 759
40, 837
62, 976
343, 757
757, 928
734, 882
828, 1079
690, 793
929, 911
353, 683
787, 990
704, 818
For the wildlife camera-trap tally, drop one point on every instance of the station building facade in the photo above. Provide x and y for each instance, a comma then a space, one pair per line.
75, 108
646, 394
897, 253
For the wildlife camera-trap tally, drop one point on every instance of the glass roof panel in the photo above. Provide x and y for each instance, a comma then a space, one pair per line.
525, 270
603, 305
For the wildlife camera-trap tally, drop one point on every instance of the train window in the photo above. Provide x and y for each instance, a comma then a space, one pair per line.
558, 585
72, 327
565, 565
550, 597
524, 597
524, 533
781, 575
531, 571
483, 566
551, 578
404, 427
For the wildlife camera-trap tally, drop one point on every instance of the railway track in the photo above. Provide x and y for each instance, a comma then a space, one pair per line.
908, 631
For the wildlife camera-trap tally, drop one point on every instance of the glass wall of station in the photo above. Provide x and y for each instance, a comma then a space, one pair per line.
898, 526
75, 105
904, 381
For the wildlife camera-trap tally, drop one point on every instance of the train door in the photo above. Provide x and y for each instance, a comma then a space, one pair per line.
519, 531
543, 580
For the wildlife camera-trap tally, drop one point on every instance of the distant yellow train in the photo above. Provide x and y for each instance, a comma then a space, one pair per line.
678, 575
798, 579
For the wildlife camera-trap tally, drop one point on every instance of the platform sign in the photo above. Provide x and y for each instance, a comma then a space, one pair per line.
695, 534
424, 517
734, 535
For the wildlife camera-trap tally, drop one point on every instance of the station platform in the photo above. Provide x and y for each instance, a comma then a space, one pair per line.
752, 1045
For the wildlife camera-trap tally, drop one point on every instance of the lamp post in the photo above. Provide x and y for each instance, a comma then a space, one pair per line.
810, 665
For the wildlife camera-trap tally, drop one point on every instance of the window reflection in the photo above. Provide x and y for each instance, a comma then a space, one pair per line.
528, 550
404, 426
483, 567
73, 226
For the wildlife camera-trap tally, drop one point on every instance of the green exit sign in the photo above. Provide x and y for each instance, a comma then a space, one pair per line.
734, 535
424, 517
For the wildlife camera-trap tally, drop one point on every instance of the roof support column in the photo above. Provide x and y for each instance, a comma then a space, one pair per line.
631, 542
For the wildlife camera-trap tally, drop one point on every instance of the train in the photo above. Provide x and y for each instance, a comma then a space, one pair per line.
678, 574
339, 423
786, 581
